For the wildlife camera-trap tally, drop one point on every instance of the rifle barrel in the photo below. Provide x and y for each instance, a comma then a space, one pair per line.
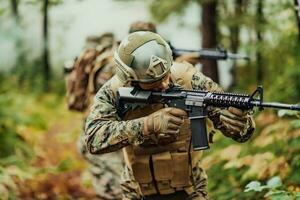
212, 54
237, 56
276, 105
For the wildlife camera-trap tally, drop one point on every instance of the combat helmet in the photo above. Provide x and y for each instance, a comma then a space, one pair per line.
106, 40
142, 26
144, 57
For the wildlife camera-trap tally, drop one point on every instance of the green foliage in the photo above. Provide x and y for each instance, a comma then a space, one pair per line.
270, 157
294, 176
4, 7
33, 153
65, 165
29, 76
279, 46
15, 151
2, 11
57, 84
256, 186
161, 10
35, 145
273, 189
282, 66
12, 142
289, 113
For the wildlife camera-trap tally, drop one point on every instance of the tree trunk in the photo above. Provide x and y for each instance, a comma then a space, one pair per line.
209, 37
297, 10
19, 46
234, 39
46, 70
259, 58
14, 8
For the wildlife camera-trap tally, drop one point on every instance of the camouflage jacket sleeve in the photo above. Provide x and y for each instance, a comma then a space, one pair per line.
201, 82
104, 131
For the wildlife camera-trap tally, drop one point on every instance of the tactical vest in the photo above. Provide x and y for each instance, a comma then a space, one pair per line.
162, 164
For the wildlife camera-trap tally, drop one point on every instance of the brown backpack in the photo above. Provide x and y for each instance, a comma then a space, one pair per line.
88, 73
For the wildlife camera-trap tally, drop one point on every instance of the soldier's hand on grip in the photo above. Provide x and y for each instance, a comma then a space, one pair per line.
164, 121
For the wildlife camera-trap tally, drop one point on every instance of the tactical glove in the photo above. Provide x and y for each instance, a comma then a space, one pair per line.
236, 124
164, 121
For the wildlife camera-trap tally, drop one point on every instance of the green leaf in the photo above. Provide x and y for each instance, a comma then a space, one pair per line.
274, 182
65, 165
297, 196
254, 186
278, 195
161, 10
2, 11
295, 123
282, 113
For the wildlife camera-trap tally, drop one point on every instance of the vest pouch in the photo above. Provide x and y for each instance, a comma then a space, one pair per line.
142, 174
181, 170
163, 173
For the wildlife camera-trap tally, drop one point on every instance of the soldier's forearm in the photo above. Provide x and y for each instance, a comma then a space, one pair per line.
108, 136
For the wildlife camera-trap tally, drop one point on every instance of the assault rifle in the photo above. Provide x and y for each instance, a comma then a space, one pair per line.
213, 54
195, 103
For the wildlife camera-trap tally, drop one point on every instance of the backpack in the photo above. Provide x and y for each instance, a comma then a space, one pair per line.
87, 73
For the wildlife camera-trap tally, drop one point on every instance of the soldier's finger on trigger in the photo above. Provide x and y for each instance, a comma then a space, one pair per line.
176, 120
178, 112
232, 122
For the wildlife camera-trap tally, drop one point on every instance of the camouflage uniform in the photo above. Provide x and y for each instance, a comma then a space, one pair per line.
86, 75
94, 68
107, 132
105, 170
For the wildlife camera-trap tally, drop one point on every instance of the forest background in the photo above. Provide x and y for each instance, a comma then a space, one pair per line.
38, 156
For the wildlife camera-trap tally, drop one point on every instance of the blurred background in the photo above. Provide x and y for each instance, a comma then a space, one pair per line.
38, 134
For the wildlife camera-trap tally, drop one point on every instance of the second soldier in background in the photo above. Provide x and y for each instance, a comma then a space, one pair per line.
84, 76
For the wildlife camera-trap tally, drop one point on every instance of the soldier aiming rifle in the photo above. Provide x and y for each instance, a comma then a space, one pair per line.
155, 137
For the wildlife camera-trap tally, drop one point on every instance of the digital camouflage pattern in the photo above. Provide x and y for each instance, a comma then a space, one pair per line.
106, 171
105, 110
87, 73
85, 76
105, 132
